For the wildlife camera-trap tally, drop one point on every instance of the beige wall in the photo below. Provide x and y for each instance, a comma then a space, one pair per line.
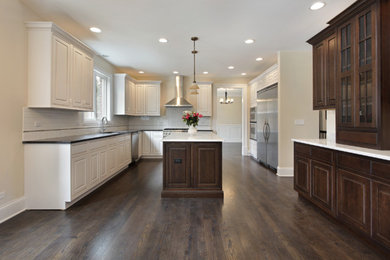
13, 96
230, 114
295, 102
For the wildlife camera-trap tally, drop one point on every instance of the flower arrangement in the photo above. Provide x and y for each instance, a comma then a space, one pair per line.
191, 118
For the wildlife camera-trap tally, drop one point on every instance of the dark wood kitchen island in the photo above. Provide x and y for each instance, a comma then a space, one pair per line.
192, 166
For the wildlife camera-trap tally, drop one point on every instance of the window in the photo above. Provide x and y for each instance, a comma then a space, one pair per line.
101, 96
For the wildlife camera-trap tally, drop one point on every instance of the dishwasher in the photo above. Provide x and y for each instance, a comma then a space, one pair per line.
134, 147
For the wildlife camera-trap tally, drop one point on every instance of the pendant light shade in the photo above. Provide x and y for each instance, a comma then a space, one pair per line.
194, 87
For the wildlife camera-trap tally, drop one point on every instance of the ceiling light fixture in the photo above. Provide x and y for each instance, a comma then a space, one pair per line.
259, 59
316, 6
231, 67
141, 72
95, 30
243, 74
226, 100
205, 72
249, 41
194, 88
163, 40
175, 72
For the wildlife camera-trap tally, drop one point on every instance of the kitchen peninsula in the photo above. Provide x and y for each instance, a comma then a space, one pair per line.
192, 165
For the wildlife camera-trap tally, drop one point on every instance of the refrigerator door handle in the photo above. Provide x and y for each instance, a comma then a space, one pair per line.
268, 131
265, 131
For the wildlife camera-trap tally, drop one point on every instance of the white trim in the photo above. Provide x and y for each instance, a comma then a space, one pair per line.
12, 209
273, 67
285, 172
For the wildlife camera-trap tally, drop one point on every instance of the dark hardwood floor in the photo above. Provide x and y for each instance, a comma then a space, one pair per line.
261, 217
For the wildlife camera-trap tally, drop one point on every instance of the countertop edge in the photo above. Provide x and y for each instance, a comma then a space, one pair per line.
377, 154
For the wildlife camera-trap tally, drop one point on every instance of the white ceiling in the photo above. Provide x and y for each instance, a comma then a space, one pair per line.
131, 29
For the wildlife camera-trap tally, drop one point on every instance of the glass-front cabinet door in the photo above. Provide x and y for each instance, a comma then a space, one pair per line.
346, 90
366, 69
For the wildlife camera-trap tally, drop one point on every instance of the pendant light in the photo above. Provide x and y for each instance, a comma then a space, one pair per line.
194, 87
226, 100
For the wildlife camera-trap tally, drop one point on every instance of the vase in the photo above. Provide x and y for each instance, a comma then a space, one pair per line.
192, 130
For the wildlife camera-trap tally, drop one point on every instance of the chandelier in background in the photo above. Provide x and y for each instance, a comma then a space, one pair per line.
226, 100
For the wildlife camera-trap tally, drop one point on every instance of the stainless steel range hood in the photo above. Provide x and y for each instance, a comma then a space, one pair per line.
179, 100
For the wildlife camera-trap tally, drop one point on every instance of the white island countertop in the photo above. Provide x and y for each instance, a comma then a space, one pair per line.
379, 154
198, 137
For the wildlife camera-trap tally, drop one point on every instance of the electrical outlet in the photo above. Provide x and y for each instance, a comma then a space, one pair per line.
299, 122
2, 195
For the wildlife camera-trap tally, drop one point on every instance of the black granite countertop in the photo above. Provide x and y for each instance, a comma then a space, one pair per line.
78, 138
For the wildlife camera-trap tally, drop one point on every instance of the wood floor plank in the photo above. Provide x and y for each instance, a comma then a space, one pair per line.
260, 217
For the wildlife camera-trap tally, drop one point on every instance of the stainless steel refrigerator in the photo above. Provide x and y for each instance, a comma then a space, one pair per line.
267, 126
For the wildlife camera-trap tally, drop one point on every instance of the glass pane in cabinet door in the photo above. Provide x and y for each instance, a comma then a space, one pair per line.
361, 28
343, 38
348, 67
368, 51
343, 60
349, 104
369, 96
361, 53
343, 101
362, 97
348, 32
368, 24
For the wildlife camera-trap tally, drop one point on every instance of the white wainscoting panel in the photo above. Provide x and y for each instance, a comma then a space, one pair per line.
231, 133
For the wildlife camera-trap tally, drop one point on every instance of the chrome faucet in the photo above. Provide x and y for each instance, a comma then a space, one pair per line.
104, 123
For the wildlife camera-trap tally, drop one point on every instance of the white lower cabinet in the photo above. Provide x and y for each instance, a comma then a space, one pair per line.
57, 175
253, 148
152, 144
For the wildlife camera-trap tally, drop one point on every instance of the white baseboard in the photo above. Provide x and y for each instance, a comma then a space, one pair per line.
285, 171
12, 209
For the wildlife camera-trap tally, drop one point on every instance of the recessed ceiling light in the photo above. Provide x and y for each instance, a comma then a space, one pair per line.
259, 59
231, 67
163, 40
95, 30
175, 72
243, 74
141, 72
205, 72
317, 5
249, 41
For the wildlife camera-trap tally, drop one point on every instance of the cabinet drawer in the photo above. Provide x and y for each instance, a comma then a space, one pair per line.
322, 154
302, 148
381, 169
353, 162
79, 148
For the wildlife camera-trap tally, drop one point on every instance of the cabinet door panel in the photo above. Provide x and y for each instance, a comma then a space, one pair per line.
103, 171
204, 104
79, 175
354, 200
133, 99
177, 165
87, 87
319, 76
302, 175
77, 78
94, 171
322, 185
206, 165
61, 71
381, 213
152, 100
156, 143
146, 142
112, 160
331, 72
140, 97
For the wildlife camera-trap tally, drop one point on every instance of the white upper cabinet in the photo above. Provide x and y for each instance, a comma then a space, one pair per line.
205, 98
60, 69
152, 99
136, 98
139, 99
124, 94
